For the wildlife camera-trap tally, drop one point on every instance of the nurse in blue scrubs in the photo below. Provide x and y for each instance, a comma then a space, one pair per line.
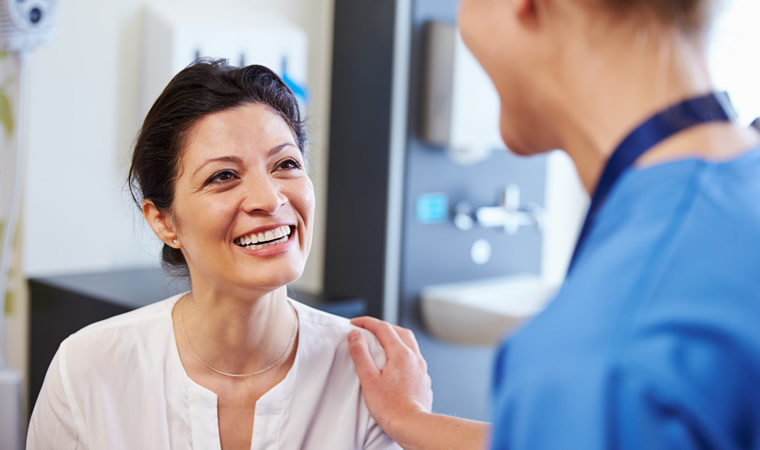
654, 340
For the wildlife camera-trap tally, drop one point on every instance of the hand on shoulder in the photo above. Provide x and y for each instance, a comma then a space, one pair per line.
399, 396
400, 390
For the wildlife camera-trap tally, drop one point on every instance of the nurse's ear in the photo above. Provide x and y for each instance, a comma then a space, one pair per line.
161, 223
529, 14
525, 9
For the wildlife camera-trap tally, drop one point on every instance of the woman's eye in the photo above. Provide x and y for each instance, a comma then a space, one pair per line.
289, 164
221, 177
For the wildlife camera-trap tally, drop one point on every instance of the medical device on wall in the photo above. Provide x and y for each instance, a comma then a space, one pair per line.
24, 25
177, 35
460, 104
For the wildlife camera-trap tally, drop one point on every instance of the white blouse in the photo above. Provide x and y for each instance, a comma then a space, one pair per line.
119, 384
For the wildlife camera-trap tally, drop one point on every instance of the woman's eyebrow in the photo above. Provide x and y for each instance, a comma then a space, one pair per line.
278, 149
233, 159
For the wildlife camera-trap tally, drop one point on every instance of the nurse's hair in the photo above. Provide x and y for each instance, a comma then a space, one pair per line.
684, 14
205, 87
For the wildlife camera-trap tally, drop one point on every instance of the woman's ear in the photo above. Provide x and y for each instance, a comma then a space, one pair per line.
161, 223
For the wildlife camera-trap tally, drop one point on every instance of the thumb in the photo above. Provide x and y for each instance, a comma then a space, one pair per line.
359, 349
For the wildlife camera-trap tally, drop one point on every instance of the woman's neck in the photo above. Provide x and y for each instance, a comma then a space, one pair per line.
237, 332
608, 90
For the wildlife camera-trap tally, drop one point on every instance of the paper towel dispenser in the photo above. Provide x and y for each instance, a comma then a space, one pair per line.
460, 104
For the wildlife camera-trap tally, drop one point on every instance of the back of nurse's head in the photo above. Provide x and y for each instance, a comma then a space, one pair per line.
203, 88
691, 15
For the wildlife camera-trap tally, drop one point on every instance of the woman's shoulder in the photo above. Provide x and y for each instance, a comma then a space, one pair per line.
333, 331
319, 318
115, 366
118, 337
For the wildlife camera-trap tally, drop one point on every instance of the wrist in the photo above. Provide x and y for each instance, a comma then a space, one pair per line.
427, 431
409, 430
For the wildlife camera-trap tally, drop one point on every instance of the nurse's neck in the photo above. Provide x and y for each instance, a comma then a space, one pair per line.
622, 84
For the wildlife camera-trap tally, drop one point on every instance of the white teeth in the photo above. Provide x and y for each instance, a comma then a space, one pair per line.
267, 244
280, 234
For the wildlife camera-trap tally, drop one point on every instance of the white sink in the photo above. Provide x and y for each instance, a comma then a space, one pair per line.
481, 312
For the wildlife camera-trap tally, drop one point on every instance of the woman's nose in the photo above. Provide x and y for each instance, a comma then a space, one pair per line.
263, 195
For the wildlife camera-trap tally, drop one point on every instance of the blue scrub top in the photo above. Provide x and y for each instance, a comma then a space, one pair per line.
654, 341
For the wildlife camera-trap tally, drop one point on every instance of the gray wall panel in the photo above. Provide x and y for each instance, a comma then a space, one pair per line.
359, 139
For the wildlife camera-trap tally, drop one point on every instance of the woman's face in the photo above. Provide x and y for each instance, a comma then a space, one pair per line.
243, 204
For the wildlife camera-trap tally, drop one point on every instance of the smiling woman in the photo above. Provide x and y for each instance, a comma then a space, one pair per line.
241, 175
218, 171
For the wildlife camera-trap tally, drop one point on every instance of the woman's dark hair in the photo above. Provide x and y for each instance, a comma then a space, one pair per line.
205, 87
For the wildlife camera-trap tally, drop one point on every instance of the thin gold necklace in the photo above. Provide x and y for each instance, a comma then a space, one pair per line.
240, 375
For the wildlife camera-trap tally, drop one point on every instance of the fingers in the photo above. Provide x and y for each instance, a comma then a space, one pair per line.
359, 350
407, 336
382, 330
388, 335
363, 321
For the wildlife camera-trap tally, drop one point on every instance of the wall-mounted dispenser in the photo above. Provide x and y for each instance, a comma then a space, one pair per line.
460, 104
178, 34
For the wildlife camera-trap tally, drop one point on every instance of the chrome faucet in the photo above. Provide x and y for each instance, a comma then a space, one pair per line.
509, 214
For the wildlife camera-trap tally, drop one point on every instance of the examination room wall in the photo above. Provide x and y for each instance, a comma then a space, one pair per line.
83, 114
